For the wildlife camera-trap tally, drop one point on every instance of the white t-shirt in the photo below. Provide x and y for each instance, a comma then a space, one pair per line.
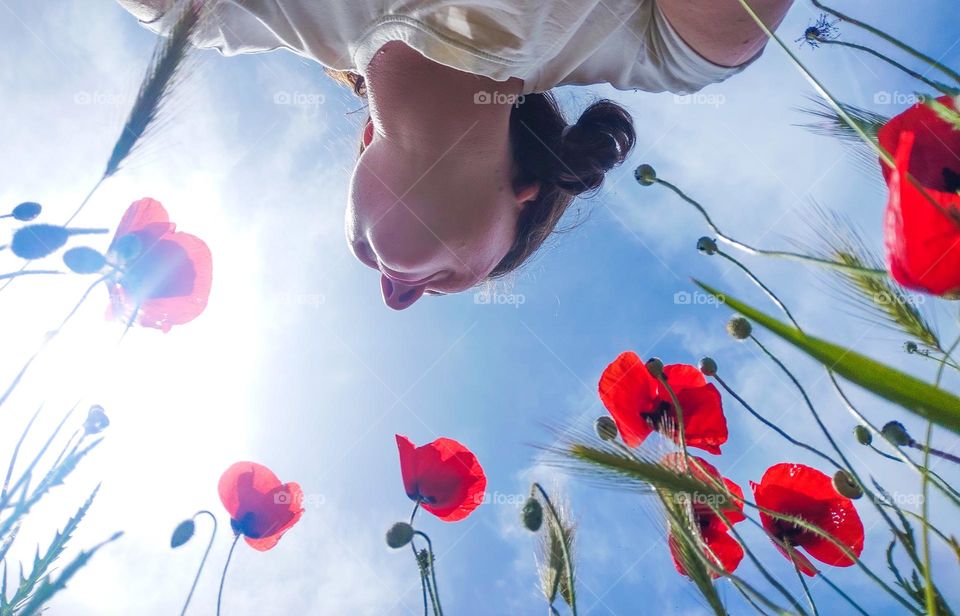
627, 43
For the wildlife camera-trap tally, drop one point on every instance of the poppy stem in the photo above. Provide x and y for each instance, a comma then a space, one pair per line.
567, 562
223, 578
203, 561
761, 252
429, 567
929, 591
773, 426
936, 85
27, 273
803, 582
46, 341
890, 39
840, 592
416, 508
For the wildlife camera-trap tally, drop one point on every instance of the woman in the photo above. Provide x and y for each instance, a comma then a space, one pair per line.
467, 163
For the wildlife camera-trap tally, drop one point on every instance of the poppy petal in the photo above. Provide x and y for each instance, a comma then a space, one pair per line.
922, 240
704, 423
937, 144
444, 476
628, 390
260, 507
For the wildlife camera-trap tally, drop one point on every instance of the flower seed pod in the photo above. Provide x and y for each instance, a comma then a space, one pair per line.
739, 328
707, 245
645, 175
606, 428
863, 435
844, 484
708, 366
97, 420
895, 432
182, 533
26, 211
655, 367
399, 535
532, 515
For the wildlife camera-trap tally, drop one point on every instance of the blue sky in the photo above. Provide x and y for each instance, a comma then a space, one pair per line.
297, 364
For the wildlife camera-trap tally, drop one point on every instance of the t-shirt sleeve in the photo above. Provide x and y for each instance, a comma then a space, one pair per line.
670, 64
226, 26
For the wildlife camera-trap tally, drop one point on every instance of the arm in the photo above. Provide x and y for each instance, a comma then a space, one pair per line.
146, 10
721, 30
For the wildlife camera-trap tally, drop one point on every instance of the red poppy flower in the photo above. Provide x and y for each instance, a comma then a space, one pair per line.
260, 507
720, 546
163, 275
639, 404
922, 231
444, 476
804, 492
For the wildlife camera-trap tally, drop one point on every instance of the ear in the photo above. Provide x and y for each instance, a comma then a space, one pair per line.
368, 131
528, 193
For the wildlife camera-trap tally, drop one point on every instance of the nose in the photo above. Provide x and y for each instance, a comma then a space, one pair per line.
400, 296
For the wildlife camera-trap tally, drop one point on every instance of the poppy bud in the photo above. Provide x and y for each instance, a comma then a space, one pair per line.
26, 211
910, 347
863, 435
707, 245
532, 515
708, 366
605, 428
83, 260
894, 431
844, 484
655, 367
182, 533
739, 328
645, 175
96, 421
399, 535
37, 241
127, 247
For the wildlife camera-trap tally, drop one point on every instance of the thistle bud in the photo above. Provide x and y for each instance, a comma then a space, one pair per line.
708, 366
910, 347
605, 428
532, 515
863, 435
645, 175
399, 535
655, 367
739, 328
707, 245
97, 420
844, 484
182, 533
895, 432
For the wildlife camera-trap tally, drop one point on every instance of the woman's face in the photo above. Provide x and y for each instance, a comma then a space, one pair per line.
429, 221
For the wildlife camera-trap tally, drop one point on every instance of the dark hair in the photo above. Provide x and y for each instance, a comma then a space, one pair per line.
566, 159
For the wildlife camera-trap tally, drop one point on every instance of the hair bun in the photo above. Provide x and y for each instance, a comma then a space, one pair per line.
599, 141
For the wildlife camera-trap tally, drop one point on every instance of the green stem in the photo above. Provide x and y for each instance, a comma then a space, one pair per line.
568, 563
431, 581
928, 590
840, 592
890, 39
803, 583
773, 426
203, 561
936, 85
223, 577
767, 253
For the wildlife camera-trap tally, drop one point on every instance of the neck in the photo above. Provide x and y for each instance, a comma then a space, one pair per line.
420, 103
